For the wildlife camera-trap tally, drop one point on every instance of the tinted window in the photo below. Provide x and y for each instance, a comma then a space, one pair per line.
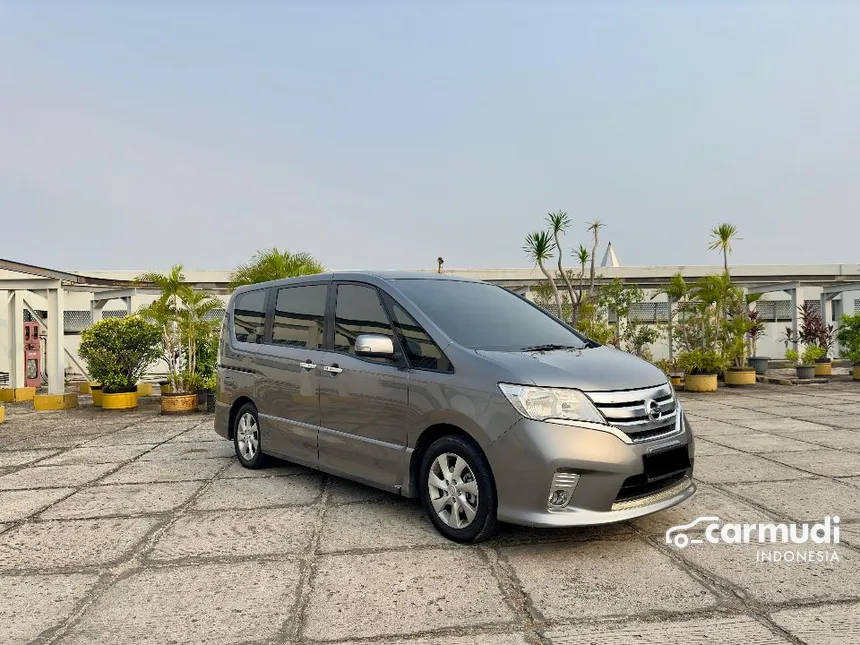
249, 316
299, 316
478, 315
420, 349
358, 311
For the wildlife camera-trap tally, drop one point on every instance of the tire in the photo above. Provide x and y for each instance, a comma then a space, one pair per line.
460, 473
246, 438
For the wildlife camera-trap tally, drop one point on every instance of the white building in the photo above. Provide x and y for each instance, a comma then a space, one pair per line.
45, 295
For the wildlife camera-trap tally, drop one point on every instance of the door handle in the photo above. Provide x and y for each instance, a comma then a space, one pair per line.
308, 365
334, 369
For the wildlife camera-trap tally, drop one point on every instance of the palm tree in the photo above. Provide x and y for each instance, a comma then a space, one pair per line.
594, 228
539, 247
273, 264
582, 255
558, 224
723, 236
165, 313
439, 263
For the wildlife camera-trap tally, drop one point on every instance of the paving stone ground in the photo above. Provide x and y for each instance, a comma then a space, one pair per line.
136, 528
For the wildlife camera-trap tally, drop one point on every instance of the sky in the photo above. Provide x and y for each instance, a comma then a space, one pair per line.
383, 134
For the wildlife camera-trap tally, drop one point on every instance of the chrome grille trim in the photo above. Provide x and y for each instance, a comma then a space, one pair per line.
625, 410
659, 496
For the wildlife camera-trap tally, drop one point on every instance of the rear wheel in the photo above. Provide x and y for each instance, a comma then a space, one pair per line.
246, 438
457, 489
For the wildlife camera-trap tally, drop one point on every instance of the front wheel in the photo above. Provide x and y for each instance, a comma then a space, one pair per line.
458, 490
246, 438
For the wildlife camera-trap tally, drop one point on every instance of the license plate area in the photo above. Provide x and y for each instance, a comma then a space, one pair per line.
665, 463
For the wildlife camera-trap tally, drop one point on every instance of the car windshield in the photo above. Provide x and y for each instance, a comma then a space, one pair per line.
479, 315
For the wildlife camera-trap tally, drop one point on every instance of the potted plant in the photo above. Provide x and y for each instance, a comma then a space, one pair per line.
671, 369
700, 369
755, 333
849, 341
207, 357
813, 331
804, 362
736, 326
210, 386
180, 313
118, 351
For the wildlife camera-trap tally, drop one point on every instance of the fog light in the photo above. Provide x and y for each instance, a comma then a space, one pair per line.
559, 497
561, 490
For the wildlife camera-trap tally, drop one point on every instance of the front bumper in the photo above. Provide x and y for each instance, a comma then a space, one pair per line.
526, 457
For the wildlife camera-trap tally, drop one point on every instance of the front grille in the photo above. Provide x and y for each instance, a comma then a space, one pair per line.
628, 411
639, 486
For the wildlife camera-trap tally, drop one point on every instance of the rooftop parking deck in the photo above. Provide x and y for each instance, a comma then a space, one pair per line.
132, 527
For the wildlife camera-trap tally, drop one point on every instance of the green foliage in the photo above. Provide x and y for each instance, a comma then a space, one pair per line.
118, 350
210, 383
713, 315
722, 236
849, 337
180, 314
810, 354
272, 264
701, 361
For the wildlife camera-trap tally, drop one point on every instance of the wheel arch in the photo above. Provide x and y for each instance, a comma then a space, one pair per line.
425, 439
234, 409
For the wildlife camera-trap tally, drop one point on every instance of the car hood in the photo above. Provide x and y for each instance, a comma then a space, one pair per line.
592, 370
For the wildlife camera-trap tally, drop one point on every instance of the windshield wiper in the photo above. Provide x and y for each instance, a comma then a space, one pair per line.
548, 347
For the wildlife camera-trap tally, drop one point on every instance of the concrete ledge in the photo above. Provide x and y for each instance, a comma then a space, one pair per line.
2, 414
17, 394
781, 380
43, 402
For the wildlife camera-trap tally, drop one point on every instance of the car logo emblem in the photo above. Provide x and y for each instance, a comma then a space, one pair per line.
652, 409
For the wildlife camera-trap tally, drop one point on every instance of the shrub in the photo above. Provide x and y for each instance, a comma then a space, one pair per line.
118, 351
849, 337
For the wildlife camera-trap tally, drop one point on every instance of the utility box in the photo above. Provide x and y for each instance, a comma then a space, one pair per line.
32, 355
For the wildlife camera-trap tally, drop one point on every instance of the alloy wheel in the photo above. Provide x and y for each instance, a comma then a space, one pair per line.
453, 490
248, 436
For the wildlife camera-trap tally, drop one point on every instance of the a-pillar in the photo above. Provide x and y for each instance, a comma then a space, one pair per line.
15, 327
56, 359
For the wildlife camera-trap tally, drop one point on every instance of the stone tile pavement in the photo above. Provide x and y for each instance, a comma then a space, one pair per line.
133, 528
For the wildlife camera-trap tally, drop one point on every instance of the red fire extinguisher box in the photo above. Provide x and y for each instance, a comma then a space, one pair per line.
32, 355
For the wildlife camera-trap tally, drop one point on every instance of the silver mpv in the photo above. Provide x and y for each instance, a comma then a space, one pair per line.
452, 390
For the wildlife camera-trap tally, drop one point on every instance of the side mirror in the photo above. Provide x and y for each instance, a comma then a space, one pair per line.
374, 346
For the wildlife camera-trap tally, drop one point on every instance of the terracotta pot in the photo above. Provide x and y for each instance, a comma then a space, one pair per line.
119, 400
97, 395
178, 403
739, 376
700, 382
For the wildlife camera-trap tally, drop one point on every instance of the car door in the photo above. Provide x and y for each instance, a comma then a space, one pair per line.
289, 390
363, 401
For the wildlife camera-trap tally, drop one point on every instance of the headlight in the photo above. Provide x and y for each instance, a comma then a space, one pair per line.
541, 403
